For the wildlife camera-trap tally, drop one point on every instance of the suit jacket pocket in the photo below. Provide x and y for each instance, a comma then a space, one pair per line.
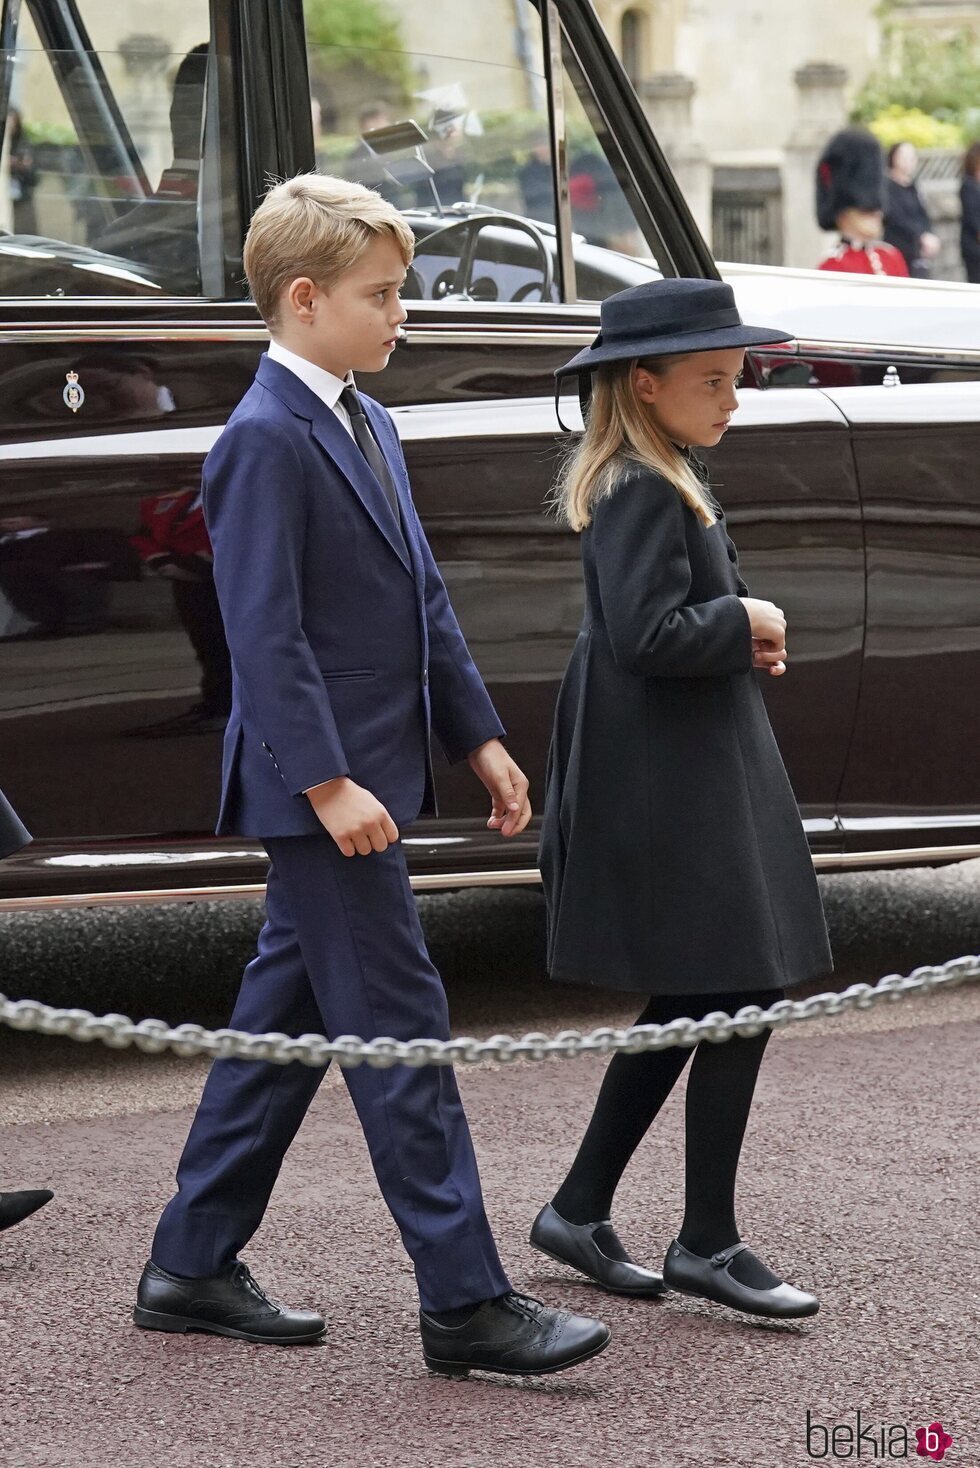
347, 675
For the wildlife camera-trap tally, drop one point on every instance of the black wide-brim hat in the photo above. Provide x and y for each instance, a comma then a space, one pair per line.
663, 318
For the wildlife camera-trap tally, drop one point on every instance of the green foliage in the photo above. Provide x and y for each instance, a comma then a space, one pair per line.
911, 125
337, 28
56, 133
932, 72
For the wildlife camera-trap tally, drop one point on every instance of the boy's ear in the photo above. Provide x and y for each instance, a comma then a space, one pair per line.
300, 297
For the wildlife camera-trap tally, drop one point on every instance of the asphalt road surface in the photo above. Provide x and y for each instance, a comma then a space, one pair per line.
858, 1181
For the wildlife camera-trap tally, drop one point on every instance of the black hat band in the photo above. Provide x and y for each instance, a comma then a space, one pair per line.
703, 321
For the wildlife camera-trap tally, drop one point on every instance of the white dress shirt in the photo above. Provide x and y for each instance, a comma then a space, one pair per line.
327, 387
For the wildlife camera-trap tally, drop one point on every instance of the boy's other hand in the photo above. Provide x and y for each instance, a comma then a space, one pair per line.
507, 783
356, 820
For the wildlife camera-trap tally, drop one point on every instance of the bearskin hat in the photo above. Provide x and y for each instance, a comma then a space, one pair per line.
850, 175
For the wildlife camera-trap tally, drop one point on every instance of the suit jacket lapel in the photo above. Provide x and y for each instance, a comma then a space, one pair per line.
340, 447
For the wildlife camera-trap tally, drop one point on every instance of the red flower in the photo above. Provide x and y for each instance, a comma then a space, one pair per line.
932, 1441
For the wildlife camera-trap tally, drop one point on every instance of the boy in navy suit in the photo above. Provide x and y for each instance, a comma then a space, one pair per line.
344, 650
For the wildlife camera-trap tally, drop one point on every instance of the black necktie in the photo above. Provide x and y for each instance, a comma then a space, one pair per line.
368, 445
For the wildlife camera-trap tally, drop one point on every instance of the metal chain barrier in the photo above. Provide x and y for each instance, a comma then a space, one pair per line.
155, 1035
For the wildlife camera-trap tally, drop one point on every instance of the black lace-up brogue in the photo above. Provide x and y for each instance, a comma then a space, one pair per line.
228, 1304
513, 1335
580, 1246
712, 1279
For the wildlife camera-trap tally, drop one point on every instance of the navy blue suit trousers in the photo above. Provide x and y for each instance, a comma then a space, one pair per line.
341, 952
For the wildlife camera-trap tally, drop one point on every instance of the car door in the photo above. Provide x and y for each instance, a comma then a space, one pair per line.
472, 390
124, 344
912, 783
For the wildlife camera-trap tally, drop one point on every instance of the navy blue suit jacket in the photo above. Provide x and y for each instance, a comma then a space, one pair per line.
345, 650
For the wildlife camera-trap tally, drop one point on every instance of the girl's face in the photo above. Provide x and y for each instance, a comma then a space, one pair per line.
693, 401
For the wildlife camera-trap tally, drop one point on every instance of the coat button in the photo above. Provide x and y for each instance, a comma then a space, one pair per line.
425, 675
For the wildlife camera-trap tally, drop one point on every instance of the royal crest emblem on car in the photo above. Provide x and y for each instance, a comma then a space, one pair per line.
74, 393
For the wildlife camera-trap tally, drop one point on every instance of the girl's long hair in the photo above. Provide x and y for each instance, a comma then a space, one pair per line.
619, 432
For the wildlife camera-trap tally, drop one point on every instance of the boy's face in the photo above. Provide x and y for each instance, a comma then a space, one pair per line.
352, 325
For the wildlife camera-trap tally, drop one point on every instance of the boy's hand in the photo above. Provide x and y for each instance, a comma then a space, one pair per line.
358, 823
508, 787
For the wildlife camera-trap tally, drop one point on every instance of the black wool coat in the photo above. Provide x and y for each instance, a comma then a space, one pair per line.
13, 833
672, 852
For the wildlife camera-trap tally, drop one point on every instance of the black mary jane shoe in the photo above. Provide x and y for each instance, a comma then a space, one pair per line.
574, 1244
711, 1279
513, 1335
15, 1207
228, 1304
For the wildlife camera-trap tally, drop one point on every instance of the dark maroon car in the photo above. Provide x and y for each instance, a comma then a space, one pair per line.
534, 188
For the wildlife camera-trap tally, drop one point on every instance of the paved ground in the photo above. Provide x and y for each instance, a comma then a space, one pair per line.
858, 1181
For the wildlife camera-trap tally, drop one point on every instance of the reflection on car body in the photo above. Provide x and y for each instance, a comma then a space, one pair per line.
849, 477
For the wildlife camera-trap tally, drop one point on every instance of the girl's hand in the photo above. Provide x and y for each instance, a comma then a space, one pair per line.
766, 620
767, 658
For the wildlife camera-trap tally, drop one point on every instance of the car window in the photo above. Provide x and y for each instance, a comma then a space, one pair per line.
108, 154
452, 125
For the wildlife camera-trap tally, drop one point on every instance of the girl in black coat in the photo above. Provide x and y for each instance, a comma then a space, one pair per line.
672, 853
14, 1207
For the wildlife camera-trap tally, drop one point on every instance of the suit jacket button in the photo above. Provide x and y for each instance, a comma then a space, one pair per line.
425, 675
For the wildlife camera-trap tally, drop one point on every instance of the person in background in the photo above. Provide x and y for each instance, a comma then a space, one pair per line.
907, 223
172, 543
362, 165
536, 179
23, 176
444, 155
15, 1207
970, 219
850, 189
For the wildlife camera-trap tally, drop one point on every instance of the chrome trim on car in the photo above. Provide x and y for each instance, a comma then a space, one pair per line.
804, 347
454, 881
505, 325
424, 882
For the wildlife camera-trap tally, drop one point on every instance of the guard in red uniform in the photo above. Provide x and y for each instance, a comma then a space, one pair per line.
172, 542
850, 199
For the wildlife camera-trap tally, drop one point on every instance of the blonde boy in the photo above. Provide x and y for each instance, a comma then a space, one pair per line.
345, 651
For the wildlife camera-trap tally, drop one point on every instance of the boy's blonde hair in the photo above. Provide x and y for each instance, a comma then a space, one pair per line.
620, 431
316, 226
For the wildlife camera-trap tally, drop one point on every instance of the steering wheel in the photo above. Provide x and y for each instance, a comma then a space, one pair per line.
459, 288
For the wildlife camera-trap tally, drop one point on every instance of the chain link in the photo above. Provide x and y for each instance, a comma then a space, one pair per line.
155, 1035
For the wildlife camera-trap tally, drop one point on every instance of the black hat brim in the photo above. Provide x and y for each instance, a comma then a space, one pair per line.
670, 346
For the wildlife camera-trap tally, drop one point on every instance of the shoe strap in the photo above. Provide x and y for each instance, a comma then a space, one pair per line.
724, 1257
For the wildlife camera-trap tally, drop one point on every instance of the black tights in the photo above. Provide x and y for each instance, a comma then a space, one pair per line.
719, 1096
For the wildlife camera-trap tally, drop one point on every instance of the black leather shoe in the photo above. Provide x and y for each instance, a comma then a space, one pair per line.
513, 1335
228, 1304
574, 1244
712, 1280
15, 1207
